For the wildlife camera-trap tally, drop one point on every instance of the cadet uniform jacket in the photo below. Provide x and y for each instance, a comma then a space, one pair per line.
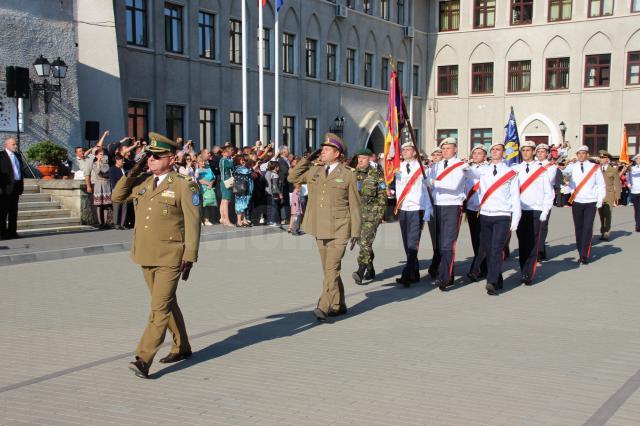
167, 229
333, 205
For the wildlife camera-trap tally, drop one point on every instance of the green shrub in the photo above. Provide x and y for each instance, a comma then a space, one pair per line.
47, 153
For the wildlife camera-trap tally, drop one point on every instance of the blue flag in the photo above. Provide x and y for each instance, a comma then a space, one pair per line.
512, 141
278, 4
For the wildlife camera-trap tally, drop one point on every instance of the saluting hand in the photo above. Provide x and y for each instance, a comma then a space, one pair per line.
185, 268
315, 154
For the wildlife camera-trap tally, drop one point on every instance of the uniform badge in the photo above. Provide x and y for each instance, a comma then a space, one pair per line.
382, 185
142, 191
168, 194
196, 199
165, 210
193, 189
340, 180
170, 179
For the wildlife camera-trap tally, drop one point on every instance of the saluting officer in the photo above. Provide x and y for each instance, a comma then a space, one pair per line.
413, 207
613, 189
472, 204
332, 216
536, 200
165, 244
633, 180
447, 180
499, 214
373, 197
542, 154
588, 192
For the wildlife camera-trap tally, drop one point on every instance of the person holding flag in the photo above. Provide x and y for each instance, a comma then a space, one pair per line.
536, 200
588, 192
542, 155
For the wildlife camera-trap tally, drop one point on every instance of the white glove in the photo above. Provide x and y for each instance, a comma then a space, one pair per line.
427, 215
543, 217
514, 226
598, 205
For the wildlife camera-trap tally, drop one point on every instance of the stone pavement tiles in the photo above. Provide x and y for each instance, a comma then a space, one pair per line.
559, 352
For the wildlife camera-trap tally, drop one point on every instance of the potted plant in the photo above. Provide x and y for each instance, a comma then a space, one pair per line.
47, 155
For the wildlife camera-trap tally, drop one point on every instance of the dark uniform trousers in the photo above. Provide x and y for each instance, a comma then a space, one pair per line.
165, 313
494, 231
474, 230
635, 200
529, 237
448, 220
583, 216
331, 254
411, 223
605, 217
544, 231
433, 233
9, 214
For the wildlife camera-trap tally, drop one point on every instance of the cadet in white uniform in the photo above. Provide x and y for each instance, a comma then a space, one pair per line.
472, 204
542, 154
633, 181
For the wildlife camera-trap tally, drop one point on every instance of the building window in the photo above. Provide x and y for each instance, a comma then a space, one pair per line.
481, 137
384, 9
287, 53
173, 28
595, 137
288, 132
310, 133
482, 78
560, 10
136, 17
367, 6
597, 69
633, 138
557, 74
138, 119
519, 76
521, 12
416, 80
447, 80
266, 48
266, 128
207, 128
235, 41
175, 121
484, 13
368, 69
351, 66
331, 62
206, 35
311, 58
633, 68
384, 74
447, 133
449, 15
635, 6
400, 74
401, 12
235, 128
599, 8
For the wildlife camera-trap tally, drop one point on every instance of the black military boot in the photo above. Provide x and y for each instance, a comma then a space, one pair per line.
370, 274
359, 274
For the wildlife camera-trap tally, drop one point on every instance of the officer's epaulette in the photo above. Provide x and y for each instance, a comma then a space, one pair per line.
185, 177
350, 168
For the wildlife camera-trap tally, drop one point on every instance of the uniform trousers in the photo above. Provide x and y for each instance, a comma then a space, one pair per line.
493, 237
411, 223
8, 215
529, 237
474, 230
635, 200
544, 231
165, 313
605, 218
368, 232
433, 233
331, 254
583, 216
448, 220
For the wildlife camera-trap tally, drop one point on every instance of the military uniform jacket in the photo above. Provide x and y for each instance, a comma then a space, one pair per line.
612, 182
167, 229
373, 193
333, 204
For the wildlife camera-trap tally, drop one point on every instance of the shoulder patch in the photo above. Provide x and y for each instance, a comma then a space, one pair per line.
196, 199
193, 188
382, 185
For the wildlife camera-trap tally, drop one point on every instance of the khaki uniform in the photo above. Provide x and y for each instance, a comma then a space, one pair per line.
167, 232
613, 190
332, 216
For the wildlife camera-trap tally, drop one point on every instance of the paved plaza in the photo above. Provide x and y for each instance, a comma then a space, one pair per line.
565, 351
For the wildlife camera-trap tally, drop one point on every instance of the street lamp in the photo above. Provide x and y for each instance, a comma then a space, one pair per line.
338, 126
563, 130
58, 69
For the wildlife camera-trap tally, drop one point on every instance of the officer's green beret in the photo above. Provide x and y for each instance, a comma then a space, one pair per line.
364, 151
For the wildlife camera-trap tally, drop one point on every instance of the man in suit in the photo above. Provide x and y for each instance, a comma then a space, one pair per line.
165, 244
11, 187
332, 216
613, 188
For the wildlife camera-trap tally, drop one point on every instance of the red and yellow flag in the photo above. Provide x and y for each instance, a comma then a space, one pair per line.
624, 151
394, 124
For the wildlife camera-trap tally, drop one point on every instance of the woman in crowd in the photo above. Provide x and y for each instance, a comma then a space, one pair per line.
274, 192
242, 189
204, 176
101, 188
226, 172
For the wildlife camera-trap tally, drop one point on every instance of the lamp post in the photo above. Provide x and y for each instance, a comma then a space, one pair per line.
338, 126
57, 69
563, 130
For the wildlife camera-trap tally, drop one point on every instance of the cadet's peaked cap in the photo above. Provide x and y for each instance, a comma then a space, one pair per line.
496, 144
448, 141
530, 144
161, 144
407, 145
604, 153
364, 151
542, 146
583, 148
436, 149
333, 140
482, 147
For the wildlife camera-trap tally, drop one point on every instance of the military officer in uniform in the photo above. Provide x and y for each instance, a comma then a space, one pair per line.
633, 180
165, 244
373, 198
332, 216
613, 190
542, 155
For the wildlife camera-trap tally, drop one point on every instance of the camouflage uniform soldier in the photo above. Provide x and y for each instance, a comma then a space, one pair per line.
373, 196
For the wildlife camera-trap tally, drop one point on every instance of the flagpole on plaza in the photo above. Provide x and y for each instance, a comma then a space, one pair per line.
261, 73
277, 78
245, 109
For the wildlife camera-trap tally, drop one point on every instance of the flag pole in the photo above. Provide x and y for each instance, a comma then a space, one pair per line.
277, 82
245, 112
261, 74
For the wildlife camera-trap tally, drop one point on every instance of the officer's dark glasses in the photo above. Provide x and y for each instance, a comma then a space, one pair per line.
158, 156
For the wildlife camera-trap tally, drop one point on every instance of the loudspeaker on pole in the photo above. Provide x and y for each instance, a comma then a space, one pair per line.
17, 82
92, 130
